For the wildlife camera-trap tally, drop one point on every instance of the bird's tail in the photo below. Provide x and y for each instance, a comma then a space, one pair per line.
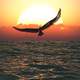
40, 33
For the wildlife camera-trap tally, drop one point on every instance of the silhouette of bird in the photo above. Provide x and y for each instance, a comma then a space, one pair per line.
40, 29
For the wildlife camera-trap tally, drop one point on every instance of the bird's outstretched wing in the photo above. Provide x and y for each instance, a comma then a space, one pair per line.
33, 30
51, 21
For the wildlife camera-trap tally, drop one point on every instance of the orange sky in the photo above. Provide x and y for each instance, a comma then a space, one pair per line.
52, 33
10, 11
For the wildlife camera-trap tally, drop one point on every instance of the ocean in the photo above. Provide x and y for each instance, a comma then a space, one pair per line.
35, 60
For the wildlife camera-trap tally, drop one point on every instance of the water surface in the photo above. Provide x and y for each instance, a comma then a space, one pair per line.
32, 60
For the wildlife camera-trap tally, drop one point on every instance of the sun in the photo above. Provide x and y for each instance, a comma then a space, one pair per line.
38, 14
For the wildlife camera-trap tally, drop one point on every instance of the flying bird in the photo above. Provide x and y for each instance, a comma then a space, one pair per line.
40, 29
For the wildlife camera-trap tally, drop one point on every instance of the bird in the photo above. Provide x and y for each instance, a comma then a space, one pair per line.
41, 28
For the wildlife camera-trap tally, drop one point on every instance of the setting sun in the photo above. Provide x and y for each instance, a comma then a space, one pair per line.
38, 14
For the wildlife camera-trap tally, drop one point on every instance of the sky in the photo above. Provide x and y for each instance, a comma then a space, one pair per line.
10, 11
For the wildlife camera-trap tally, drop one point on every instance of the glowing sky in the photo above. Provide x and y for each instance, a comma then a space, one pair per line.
10, 10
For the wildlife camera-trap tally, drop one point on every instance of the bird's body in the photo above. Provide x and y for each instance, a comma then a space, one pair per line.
40, 29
